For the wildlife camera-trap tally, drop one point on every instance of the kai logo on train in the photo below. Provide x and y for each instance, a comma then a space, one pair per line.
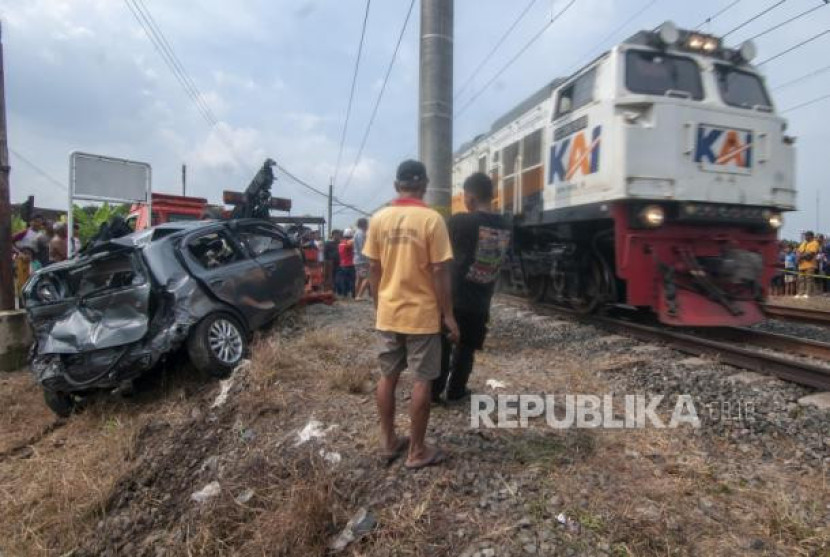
724, 149
575, 154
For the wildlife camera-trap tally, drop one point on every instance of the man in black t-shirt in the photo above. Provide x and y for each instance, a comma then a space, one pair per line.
480, 239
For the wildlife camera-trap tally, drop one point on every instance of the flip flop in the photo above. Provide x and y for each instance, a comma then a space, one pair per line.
391, 456
437, 458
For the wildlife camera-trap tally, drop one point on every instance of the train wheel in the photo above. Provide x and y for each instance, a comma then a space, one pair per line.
592, 288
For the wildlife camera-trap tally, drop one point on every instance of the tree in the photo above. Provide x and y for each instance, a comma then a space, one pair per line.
91, 217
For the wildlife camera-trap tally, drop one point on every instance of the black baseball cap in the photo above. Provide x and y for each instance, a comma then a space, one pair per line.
412, 171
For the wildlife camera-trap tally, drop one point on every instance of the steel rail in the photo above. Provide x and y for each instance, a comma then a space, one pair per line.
781, 366
801, 315
773, 341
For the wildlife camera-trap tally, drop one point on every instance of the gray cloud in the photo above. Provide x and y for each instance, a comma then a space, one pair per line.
80, 74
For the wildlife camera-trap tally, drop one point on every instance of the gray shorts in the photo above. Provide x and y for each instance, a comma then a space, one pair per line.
420, 353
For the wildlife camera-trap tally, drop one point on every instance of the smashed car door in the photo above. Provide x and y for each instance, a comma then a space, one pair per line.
281, 261
94, 303
215, 258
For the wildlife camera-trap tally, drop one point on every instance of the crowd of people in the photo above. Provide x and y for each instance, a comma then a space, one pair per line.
41, 243
347, 269
804, 267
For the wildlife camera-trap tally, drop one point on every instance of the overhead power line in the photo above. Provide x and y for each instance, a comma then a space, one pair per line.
39, 170
795, 47
495, 48
379, 97
168, 55
145, 19
808, 103
515, 57
712, 17
351, 92
318, 191
165, 50
786, 21
801, 78
753, 18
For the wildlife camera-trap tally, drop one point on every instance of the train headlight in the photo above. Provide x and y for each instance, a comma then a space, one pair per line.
776, 221
695, 42
710, 45
653, 216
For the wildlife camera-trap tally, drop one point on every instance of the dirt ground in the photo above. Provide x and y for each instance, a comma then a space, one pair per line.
276, 460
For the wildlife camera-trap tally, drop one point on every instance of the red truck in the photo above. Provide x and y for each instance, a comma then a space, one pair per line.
172, 208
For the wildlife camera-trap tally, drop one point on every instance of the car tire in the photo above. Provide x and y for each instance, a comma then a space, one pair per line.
60, 403
217, 345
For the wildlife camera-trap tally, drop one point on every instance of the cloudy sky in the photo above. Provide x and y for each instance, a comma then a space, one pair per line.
81, 74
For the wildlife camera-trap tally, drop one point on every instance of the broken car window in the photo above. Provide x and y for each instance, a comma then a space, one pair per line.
261, 240
109, 273
214, 250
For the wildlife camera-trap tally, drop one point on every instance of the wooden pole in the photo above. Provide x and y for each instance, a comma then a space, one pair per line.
6, 276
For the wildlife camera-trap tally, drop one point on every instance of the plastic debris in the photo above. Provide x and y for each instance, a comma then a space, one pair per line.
210, 490
244, 497
331, 457
495, 384
312, 430
224, 389
569, 523
358, 526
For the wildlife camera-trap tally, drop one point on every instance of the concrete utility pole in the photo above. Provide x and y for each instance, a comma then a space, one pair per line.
6, 277
329, 226
184, 179
435, 104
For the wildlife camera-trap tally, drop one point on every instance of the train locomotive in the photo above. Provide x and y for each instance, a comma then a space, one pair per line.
656, 177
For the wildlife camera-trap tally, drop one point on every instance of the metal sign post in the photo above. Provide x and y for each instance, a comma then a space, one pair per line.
101, 178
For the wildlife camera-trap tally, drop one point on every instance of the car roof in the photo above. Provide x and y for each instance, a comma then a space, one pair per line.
171, 230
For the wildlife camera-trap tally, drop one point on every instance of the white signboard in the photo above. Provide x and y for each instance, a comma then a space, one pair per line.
101, 178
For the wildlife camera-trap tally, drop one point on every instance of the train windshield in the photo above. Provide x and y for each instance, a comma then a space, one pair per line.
740, 88
657, 73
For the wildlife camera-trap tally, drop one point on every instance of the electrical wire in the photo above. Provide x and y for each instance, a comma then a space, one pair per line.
379, 97
165, 50
712, 17
38, 169
801, 78
753, 18
168, 55
785, 22
495, 48
170, 59
808, 103
795, 47
303, 183
515, 57
177, 63
351, 93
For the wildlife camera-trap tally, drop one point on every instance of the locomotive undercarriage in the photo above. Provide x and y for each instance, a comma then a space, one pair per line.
574, 266
569, 267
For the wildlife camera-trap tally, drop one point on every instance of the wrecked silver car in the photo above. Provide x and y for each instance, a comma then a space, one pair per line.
106, 317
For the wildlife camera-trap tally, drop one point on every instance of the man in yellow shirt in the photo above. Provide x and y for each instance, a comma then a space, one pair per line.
409, 253
807, 254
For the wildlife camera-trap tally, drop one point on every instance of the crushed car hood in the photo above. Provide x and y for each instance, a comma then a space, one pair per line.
94, 302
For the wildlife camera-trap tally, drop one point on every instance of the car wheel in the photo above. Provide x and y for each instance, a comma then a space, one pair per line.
61, 404
217, 345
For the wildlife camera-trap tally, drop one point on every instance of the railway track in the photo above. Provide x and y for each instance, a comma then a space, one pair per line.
800, 315
726, 344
